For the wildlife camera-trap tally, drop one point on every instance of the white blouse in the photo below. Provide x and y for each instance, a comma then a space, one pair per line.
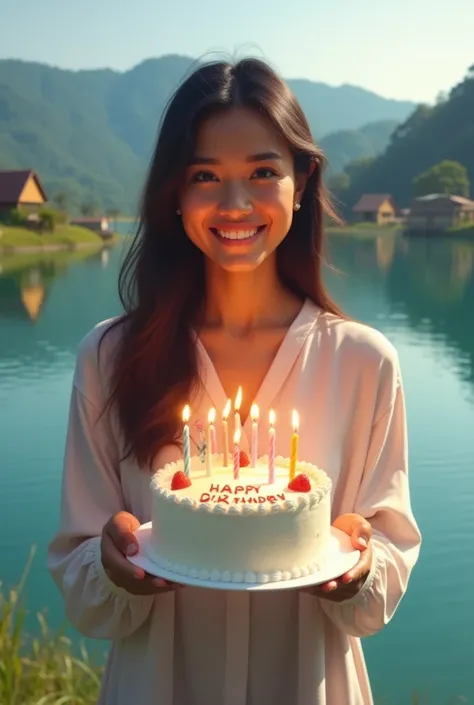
199, 646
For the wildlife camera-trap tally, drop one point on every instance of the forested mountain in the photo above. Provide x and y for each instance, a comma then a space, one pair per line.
430, 135
90, 133
345, 146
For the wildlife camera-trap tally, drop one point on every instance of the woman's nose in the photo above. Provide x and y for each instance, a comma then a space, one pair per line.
235, 202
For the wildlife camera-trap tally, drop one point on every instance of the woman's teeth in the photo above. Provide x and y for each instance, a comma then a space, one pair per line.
237, 234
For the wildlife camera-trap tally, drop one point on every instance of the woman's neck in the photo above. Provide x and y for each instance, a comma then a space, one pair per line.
242, 302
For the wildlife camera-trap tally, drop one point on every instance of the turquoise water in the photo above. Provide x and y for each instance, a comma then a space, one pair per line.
419, 293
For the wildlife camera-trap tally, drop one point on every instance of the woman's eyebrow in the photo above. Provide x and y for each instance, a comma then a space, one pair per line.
260, 157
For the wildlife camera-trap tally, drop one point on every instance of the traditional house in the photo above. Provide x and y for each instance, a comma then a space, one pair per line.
377, 208
21, 189
438, 211
98, 224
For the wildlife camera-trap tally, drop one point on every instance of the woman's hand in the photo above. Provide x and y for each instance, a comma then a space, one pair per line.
351, 582
118, 541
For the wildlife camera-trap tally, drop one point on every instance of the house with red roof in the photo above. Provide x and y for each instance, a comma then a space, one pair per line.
379, 208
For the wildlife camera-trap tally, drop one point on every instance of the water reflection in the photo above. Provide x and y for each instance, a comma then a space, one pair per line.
427, 284
434, 282
48, 304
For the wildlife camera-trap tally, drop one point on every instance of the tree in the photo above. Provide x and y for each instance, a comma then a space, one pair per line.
113, 213
61, 199
338, 185
88, 208
48, 219
445, 177
355, 170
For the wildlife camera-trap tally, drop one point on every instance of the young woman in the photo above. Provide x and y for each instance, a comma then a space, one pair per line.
222, 288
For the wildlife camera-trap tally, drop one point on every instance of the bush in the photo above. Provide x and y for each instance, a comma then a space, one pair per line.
13, 217
49, 218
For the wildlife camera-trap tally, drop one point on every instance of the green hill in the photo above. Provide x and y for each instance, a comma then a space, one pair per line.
90, 133
345, 146
430, 135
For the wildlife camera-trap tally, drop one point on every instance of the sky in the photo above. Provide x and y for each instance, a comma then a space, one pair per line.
408, 49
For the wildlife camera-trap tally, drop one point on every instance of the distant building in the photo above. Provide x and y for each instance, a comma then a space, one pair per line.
21, 189
98, 224
439, 211
379, 208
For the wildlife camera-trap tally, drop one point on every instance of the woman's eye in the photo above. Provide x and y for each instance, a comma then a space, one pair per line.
264, 172
202, 176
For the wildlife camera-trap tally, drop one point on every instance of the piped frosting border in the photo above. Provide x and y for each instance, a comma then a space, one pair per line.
160, 485
226, 576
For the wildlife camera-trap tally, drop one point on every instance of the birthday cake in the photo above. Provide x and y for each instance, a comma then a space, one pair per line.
247, 527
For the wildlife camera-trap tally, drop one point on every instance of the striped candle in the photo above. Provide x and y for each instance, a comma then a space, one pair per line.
271, 449
212, 431
186, 444
237, 403
254, 413
237, 454
225, 427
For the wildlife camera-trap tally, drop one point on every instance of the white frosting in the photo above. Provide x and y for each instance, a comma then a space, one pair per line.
240, 530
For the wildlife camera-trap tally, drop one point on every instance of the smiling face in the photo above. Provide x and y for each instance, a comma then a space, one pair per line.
237, 203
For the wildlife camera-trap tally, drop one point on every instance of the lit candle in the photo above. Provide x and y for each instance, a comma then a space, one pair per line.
237, 403
254, 413
212, 431
211, 440
186, 445
294, 445
271, 449
225, 425
236, 454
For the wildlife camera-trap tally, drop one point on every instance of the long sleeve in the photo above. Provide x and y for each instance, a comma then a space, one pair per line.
384, 500
91, 494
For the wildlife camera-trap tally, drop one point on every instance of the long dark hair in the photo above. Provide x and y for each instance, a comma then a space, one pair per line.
162, 284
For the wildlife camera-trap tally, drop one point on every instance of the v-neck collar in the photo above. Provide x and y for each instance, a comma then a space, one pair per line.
278, 371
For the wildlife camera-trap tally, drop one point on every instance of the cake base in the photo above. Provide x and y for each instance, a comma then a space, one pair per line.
337, 560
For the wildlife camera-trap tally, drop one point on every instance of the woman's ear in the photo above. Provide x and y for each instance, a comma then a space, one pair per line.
301, 179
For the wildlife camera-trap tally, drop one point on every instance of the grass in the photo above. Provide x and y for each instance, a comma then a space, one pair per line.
16, 261
41, 670
364, 230
64, 235
466, 229
45, 670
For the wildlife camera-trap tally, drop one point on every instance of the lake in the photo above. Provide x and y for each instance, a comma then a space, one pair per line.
419, 293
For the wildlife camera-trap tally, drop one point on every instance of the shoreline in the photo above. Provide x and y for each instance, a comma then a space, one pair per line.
38, 249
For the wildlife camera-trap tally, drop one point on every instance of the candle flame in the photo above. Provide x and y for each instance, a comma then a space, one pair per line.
272, 417
237, 437
211, 417
226, 411
238, 399
254, 412
186, 413
295, 420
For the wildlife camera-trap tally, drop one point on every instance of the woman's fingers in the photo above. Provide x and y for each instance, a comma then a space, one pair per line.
361, 535
358, 528
120, 528
115, 562
347, 585
360, 570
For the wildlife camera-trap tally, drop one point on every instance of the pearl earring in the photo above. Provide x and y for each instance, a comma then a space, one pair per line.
297, 206
178, 212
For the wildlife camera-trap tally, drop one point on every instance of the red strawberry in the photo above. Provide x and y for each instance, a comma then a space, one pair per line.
180, 481
300, 483
244, 459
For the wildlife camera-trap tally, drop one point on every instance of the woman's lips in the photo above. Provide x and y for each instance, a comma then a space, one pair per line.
238, 234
